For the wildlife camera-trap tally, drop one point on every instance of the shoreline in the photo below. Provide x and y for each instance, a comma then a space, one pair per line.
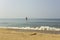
28, 29
38, 31
34, 28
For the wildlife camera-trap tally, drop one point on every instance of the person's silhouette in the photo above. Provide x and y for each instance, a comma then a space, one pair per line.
26, 18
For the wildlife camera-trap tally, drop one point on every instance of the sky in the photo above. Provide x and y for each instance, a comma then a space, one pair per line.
30, 8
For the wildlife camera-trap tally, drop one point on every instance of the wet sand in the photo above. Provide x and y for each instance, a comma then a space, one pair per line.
15, 34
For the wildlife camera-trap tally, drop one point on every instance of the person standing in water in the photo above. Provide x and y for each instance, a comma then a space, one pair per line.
26, 18
26, 21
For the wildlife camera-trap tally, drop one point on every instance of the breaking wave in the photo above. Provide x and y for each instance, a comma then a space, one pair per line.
35, 28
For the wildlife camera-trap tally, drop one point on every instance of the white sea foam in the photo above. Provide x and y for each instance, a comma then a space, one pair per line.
36, 28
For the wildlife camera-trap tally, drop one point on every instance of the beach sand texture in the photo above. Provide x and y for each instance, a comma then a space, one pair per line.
6, 34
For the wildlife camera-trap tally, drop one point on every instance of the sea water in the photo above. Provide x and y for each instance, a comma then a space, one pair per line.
22, 23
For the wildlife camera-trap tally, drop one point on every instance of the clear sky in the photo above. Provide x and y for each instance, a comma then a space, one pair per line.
30, 8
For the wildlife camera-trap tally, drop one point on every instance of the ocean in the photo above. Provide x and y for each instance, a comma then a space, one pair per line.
21, 22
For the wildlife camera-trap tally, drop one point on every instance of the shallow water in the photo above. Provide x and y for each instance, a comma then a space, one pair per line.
16, 22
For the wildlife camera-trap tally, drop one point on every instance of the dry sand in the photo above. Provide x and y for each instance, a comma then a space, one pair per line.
6, 34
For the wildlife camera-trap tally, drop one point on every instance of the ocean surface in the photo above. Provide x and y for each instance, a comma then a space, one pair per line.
20, 22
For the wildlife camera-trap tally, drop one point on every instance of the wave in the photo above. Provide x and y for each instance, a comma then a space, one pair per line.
35, 28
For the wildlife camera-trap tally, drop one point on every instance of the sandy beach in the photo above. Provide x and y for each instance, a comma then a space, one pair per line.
8, 34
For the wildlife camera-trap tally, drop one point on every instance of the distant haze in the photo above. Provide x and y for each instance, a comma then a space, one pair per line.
30, 8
